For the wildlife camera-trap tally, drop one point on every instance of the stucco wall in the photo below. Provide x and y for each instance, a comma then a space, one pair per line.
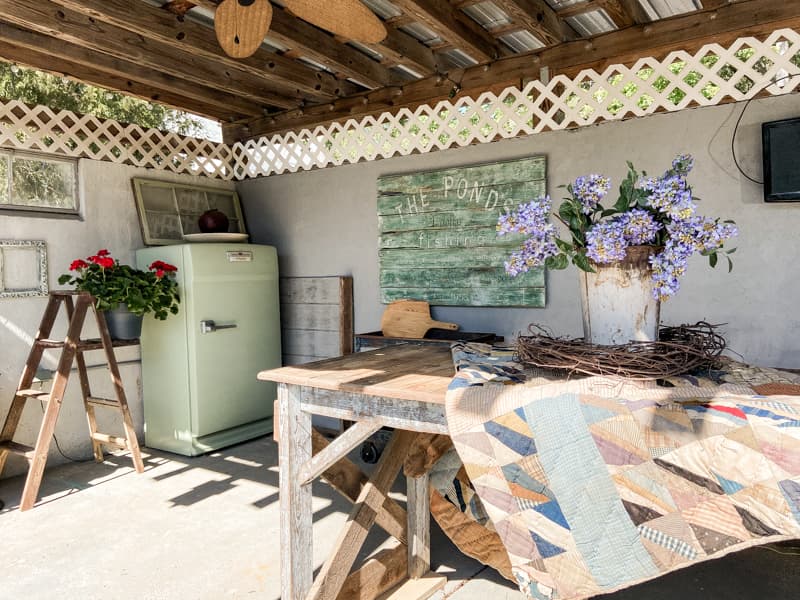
108, 220
324, 223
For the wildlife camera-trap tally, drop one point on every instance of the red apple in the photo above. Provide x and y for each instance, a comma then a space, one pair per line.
213, 221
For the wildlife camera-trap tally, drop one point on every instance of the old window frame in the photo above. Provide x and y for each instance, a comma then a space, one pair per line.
8, 155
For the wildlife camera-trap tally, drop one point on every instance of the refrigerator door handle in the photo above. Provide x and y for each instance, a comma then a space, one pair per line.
209, 326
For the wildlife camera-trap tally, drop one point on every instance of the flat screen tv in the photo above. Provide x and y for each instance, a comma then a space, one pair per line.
781, 151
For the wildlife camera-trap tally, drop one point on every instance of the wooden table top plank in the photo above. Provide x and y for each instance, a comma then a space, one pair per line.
404, 371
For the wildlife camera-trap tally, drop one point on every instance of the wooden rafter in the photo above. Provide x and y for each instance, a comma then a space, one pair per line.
686, 32
308, 41
158, 27
535, 16
304, 40
453, 27
623, 13
179, 7
37, 51
399, 48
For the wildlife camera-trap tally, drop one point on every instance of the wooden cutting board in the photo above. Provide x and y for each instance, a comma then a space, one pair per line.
410, 319
241, 25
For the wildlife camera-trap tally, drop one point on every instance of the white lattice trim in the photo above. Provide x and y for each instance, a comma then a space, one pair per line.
710, 76
63, 132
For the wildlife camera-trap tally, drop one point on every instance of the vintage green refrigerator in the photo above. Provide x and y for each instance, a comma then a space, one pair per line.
199, 367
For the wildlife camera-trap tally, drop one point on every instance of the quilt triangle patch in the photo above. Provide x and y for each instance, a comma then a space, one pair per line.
712, 541
791, 491
730, 486
755, 525
514, 422
594, 414
515, 475
552, 511
521, 444
745, 436
614, 454
696, 479
640, 514
546, 549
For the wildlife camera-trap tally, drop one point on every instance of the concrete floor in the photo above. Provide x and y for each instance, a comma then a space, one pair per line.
207, 529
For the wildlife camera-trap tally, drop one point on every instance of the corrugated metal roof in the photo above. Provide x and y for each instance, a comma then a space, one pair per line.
521, 41
382, 8
458, 58
422, 33
660, 9
592, 23
488, 15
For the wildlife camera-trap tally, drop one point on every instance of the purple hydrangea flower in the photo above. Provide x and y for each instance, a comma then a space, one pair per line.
527, 219
605, 242
638, 226
533, 253
668, 266
683, 164
670, 194
590, 190
701, 233
530, 219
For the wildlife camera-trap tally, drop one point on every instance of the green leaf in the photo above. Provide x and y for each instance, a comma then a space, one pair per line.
582, 262
712, 259
730, 264
565, 211
557, 262
563, 246
622, 204
731, 251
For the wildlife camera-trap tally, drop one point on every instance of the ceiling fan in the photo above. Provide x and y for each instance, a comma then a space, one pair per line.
241, 25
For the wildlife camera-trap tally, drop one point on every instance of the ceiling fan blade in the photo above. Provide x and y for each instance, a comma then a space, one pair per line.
349, 19
241, 25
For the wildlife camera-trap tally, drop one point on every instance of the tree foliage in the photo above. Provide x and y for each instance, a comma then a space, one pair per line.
36, 87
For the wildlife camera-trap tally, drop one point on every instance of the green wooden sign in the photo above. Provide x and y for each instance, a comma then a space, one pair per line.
438, 239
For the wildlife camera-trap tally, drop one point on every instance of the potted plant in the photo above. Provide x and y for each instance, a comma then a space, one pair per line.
125, 294
630, 254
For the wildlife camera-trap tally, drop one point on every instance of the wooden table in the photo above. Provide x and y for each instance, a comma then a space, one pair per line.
400, 386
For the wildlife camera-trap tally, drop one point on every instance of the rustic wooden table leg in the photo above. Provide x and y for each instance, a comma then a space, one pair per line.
295, 497
419, 526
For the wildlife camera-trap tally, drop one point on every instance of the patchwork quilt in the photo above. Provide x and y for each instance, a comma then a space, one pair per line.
595, 484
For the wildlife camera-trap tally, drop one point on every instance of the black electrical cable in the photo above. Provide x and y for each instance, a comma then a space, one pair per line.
58, 447
739, 120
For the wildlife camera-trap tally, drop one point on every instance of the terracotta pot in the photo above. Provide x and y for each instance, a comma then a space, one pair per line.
617, 301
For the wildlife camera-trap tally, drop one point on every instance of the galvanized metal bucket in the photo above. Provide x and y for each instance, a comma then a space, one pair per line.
617, 300
123, 324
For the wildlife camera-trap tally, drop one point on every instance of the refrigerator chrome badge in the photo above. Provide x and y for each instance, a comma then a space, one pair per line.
239, 256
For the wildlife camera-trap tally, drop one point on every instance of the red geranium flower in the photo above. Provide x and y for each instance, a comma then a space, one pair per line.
160, 265
159, 273
103, 252
105, 261
77, 265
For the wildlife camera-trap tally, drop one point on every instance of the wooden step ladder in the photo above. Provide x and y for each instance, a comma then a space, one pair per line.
73, 348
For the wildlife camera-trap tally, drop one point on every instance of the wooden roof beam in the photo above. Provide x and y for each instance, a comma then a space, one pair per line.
623, 13
39, 51
683, 32
537, 17
320, 47
399, 48
452, 26
180, 7
309, 42
265, 69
